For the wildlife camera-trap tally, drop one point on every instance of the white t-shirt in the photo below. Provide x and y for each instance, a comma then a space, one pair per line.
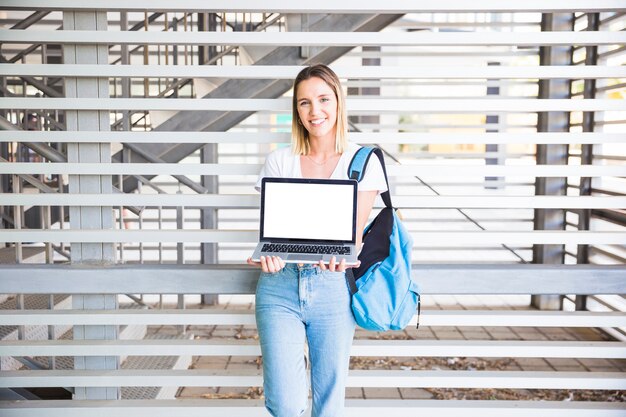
284, 164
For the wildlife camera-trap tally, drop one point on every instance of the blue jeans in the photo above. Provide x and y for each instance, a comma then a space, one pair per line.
301, 302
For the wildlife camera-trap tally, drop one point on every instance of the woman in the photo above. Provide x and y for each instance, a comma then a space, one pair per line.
312, 302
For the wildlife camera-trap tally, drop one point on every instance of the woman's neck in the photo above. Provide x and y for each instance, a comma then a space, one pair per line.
321, 147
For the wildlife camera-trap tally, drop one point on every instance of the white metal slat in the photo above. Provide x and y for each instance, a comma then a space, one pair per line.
422, 170
354, 408
283, 105
253, 201
275, 137
465, 318
422, 238
322, 6
407, 348
241, 279
327, 39
289, 72
356, 378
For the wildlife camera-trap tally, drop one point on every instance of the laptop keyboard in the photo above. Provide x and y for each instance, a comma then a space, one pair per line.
291, 248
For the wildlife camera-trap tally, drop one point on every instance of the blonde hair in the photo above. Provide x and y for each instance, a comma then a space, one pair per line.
299, 135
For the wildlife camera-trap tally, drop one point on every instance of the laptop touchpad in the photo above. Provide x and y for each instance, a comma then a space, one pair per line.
314, 258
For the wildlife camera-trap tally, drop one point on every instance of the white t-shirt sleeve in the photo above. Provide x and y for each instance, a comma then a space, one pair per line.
271, 168
374, 178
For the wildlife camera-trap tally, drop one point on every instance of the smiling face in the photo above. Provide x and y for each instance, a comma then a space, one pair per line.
317, 108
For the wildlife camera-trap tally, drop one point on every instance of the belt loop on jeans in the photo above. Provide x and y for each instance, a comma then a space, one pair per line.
312, 267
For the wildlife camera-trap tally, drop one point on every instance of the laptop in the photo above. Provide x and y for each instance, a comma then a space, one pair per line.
306, 220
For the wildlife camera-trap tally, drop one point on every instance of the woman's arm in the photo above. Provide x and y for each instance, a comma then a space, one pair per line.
365, 202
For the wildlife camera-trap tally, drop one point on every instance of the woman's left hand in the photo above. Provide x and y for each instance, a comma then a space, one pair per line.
333, 266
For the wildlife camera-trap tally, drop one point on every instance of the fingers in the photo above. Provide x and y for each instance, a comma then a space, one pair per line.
281, 263
264, 264
322, 265
342, 265
333, 266
271, 264
249, 261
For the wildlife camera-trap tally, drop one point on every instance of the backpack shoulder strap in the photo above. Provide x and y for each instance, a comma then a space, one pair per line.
358, 164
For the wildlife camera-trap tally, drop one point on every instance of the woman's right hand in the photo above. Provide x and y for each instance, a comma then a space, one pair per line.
269, 264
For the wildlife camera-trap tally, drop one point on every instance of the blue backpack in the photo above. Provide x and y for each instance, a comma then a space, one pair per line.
384, 295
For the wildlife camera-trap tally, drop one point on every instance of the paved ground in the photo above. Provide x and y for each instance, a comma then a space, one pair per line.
434, 333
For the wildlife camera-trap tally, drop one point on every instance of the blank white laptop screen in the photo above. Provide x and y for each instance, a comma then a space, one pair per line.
308, 211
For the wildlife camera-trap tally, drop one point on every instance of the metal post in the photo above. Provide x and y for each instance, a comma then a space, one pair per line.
61, 210
51, 332
47, 224
208, 215
202, 49
90, 217
174, 59
206, 22
5, 187
46, 220
180, 256
305, 51
5, 180
493, 119
552, 219
121, 221
18, 212
125, 59
212, 27
586, 155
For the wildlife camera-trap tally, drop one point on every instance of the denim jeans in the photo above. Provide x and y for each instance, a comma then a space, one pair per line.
294, 304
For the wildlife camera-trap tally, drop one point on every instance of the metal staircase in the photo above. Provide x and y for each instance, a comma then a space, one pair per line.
260, 88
